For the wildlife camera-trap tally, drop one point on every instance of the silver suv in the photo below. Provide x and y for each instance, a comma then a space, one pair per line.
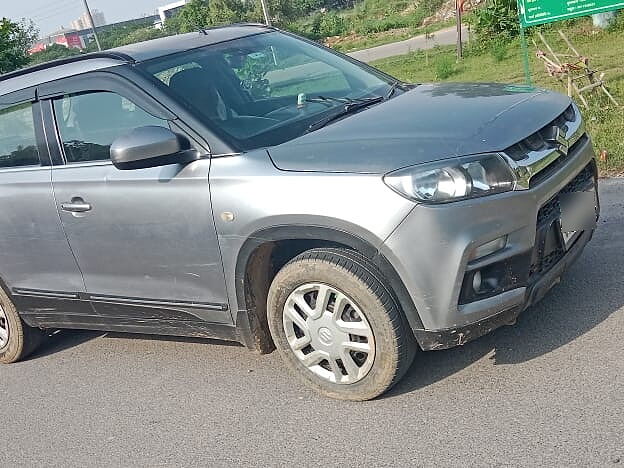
245, 184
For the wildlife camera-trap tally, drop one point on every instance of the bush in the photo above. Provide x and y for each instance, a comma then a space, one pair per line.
499, 50
329, 24
497, 21
445, 67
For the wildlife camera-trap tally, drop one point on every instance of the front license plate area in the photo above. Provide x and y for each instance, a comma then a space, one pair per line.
578, 214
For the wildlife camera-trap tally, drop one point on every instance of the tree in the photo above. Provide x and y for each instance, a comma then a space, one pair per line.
139, 35
53, 52
198, 14
15, 40
119, 35
226, 12
194, 16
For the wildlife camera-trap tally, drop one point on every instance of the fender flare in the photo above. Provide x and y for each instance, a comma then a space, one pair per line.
245, 322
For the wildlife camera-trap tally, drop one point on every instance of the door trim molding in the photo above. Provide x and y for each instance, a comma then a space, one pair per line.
144, 302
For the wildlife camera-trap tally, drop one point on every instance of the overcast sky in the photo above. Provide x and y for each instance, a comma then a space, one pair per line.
50, 15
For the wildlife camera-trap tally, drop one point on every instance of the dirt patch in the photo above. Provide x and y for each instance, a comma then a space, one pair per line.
447, 11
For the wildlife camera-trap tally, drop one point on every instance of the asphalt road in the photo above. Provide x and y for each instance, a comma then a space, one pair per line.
546, 392
446, 36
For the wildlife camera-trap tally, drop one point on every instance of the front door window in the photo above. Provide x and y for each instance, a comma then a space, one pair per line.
90, 122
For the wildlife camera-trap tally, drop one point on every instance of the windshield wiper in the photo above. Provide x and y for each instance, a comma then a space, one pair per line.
392, 90
330, 99
351, 106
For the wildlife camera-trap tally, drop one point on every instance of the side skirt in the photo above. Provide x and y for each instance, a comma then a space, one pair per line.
51, 309
193, 329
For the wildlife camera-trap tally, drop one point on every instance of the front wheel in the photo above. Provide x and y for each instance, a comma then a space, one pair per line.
336, 325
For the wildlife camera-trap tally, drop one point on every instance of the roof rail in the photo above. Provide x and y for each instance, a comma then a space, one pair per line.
63, 61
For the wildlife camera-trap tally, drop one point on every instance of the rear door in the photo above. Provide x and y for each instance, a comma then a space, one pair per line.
145, 239
36, 263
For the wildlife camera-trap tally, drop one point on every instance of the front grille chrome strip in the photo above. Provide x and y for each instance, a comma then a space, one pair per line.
537, 161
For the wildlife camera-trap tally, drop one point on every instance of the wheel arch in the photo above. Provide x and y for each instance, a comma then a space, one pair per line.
266, 250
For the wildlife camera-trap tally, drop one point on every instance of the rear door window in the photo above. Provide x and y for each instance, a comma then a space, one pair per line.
18, 144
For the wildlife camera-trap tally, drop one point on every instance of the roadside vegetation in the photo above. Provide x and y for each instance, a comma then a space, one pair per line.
501, 61
493, 54
353, 41
364, 18
343, 24
15, 39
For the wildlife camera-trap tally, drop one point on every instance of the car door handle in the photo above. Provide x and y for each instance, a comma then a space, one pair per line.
77, 205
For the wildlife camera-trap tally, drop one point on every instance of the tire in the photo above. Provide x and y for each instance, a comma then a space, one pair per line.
22, 339
357, 322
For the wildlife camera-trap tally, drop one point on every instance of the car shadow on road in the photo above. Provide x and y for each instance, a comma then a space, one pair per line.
177, 339
589, 293
56, 341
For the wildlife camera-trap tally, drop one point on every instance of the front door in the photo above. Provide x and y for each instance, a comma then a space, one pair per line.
144, 239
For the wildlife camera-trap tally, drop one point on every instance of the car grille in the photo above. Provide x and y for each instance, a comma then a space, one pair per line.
548, 171
538, 140
548, 248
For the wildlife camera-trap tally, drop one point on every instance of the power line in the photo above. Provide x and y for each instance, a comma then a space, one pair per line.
51, 8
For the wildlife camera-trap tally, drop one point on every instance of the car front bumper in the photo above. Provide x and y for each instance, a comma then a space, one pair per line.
433, 249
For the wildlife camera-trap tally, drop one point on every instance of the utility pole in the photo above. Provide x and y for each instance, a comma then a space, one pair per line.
459, 5
265, 11
88, 11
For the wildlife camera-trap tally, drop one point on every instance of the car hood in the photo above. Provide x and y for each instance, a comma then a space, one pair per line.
428, 123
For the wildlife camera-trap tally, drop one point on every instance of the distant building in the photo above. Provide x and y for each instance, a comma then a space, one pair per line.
80, 39
169, 11
83, 21
65, 37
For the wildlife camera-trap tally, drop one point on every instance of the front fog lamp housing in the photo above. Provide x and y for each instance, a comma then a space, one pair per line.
451, 180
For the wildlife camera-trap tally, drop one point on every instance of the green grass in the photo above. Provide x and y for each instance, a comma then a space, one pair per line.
605, 122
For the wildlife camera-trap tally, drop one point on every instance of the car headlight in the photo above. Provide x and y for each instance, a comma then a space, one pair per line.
454, 179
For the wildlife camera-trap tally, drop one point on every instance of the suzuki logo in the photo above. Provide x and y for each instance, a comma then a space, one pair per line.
558, 140
325, 336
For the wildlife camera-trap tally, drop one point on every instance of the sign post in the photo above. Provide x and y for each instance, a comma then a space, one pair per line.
459, 5
525, 57
536, 12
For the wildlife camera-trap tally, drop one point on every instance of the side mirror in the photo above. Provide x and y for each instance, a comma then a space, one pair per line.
151, 146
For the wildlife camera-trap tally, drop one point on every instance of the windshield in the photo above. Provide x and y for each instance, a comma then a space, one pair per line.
265, 89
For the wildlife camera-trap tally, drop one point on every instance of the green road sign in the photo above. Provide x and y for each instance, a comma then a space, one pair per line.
534, 12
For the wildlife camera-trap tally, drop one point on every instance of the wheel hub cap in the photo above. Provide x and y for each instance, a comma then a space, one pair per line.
4, 329
328, 333
326, 337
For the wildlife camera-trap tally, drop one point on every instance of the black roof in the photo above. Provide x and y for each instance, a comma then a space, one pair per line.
154, 48
76, 58
171, 44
